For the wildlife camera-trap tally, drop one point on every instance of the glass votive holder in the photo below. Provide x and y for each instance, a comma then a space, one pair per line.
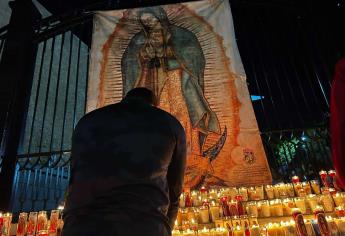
54, 221
5, 223
327, 202
306, 187
243, 191
260, 192
301, 204
290, 189
312, 201
252, 209
264, 207
338, 199
42, 221
288, 205
339, 211
315, 185
269, 191
22, 223
283, 190
32, 224
204, 215
276, 208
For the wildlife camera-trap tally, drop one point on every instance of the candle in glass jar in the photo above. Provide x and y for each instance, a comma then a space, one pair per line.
21, 227
273, 229
276, 191
213, 194
276, 208
309, 227
290, 190
5, 223
219, 231
269, 191
306, 187
184, 215
238, 231
191, 214
315, 185
295, 179
283, 190
289, 228
265, 209
252, 193
260, 192
252, 209
182, 200
176, 232
255, 230
299, 189
299, 221
31, 229
340, 222
54, 220
327, 202
300, 203
312, 201
288, 204
338, 199
233, 208
331, 173
232, 192
244, 193
214, 211
323, 174
332, 226
197, 201
204, 232
339, 211
204, 214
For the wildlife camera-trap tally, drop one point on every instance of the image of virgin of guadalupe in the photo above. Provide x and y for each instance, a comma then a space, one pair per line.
169, 60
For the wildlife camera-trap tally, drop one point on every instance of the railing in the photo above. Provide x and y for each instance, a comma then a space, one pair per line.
57, 102
3, 35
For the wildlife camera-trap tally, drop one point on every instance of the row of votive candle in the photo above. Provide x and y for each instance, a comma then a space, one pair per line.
36, 223
211, 211
282, 207
336, 227
282, 190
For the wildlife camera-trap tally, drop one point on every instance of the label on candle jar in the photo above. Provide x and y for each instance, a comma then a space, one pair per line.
1, 223
300, 226
21, 226
322, 223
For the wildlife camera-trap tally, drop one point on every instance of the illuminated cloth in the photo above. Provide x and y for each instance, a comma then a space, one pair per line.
187, 55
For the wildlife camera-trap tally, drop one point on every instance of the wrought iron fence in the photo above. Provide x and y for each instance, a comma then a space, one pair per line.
292, 116
57, 102
3, 35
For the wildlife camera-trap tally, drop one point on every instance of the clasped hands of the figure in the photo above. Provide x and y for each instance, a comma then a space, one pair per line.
148, 58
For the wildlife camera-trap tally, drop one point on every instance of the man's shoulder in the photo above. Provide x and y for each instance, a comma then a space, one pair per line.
173, 121
97, 113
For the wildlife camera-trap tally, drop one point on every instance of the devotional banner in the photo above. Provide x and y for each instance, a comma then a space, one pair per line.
187, 55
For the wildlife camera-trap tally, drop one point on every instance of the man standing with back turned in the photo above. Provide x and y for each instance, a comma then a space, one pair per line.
128, 162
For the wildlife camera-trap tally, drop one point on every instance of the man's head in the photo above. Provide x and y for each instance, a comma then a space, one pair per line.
143, 94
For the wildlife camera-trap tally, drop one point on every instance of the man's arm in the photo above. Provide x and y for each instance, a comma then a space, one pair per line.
176, 174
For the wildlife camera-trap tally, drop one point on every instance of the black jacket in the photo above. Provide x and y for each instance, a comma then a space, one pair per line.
128, 160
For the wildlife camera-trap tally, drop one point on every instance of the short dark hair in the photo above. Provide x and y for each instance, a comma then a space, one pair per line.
142, 93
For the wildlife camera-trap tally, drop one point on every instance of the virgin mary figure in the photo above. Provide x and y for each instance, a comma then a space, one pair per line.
169, 60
